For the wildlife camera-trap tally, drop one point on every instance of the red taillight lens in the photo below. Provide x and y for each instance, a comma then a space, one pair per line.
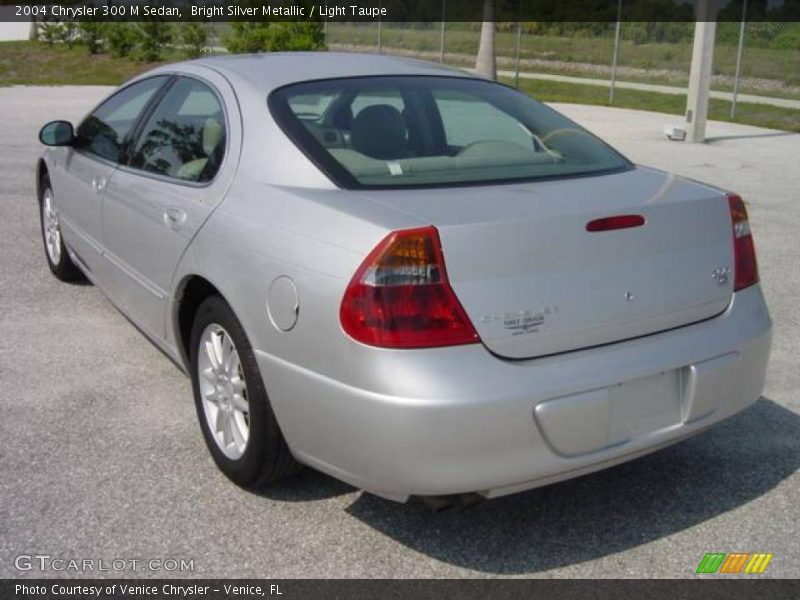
400, 296
744, 252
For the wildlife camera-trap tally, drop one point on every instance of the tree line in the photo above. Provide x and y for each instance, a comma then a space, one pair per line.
151, 40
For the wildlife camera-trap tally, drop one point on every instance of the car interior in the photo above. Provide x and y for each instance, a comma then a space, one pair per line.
183, 139
185, 136
393, 134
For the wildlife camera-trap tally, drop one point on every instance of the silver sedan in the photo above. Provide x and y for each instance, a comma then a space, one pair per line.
414, 280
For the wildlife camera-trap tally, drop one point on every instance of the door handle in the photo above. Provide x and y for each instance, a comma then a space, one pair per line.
174, 218
98, 184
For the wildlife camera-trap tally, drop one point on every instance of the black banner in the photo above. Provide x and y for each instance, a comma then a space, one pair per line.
419, 11
349, 589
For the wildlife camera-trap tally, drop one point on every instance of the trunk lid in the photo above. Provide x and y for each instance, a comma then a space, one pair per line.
534, 281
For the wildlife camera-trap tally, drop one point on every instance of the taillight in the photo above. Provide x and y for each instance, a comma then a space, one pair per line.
744, 253
400, 296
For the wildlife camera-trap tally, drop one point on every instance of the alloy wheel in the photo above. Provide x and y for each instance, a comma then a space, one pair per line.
51, 228
223, 391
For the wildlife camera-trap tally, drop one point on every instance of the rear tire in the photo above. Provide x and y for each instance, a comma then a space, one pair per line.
233, 408
55, 251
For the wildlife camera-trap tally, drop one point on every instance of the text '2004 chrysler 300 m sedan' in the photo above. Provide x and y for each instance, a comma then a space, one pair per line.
417, 281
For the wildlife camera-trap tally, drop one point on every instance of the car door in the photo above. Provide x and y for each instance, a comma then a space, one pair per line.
180, 166
80, 180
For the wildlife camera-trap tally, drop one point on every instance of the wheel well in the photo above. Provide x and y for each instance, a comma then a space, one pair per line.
195, 291
41, 171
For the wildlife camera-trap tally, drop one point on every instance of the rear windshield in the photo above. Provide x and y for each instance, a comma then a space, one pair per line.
430, 131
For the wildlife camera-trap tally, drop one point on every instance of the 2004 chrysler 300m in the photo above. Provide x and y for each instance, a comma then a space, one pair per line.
417, 281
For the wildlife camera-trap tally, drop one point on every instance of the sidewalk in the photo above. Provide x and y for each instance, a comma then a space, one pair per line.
650, 87
625, 85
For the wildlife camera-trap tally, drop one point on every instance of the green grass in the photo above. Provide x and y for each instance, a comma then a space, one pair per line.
760, 115
35, 63
664, 63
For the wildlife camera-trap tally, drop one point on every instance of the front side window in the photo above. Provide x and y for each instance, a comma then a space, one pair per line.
103, 132
184, 138
429, 131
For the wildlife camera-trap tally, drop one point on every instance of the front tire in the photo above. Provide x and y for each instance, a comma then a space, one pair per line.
233, 408
58, 259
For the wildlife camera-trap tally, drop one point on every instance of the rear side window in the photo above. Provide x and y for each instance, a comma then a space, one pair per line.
184, 138
431, 131
104, 131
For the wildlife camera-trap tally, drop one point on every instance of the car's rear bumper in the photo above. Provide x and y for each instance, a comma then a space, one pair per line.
457, 420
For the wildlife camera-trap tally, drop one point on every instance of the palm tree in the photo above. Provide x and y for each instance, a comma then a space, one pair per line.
486, 64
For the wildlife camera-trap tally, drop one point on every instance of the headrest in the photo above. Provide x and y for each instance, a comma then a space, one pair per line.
213, 133
379, 131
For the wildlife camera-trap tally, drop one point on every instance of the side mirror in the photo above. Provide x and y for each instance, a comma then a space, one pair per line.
57, 133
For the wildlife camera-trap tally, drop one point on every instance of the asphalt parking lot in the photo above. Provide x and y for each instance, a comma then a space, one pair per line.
101, 456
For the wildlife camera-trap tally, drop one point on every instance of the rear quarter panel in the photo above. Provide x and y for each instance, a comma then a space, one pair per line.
262, 232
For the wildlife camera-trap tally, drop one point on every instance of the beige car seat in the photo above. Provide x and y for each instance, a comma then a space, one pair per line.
213, 132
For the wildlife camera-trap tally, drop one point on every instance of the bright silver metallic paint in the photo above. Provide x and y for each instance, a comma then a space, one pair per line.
421, 422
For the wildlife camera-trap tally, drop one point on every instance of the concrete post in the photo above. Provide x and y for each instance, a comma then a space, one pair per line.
517, 54
738, 60
700, 74
486, 65
441, 33
616, 55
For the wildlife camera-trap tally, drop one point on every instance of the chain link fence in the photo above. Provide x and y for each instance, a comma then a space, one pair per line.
752, 60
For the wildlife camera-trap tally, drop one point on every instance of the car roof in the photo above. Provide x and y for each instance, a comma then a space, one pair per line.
269, 71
